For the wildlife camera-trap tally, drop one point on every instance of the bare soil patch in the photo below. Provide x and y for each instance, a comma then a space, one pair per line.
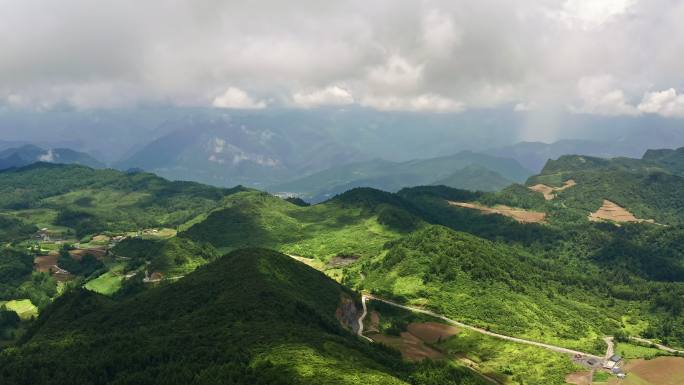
374, 324
550, 192
411, 347
78, 254
520, 215
579, 378
48, 264
101, 238
611, 211
342, 260
432, 332
44, 263
658, 371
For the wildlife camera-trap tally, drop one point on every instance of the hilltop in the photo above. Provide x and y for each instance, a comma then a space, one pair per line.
252, 317
27, 154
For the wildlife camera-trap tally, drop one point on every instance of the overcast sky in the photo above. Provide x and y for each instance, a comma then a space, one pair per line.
604, 57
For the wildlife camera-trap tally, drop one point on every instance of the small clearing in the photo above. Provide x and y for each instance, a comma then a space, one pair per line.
520, 215
432, 332
579, 378
45, 263
411, 347
48, 264
657, 371
97, 252
550, 192
611, 211
342, 260
24, 308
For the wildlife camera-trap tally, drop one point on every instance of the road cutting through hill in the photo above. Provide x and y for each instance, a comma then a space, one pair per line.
554, 348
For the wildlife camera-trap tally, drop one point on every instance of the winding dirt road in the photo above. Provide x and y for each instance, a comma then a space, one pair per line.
659, 346
554, 348
363, 316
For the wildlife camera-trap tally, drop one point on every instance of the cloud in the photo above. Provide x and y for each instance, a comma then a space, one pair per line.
421, 103
598, 96
440, 34
666, 103
396, 74
479, 54
329, 96
49, 156
589, 14
238, 99
525, 106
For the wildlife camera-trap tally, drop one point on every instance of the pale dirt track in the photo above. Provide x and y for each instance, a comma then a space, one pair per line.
557, 349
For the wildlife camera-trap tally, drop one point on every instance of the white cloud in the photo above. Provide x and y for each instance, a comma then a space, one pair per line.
422, 103
598, 95
329, 96
525, 106
666, 103
589, 14
440, 34
49, 156
396, 73
238, 99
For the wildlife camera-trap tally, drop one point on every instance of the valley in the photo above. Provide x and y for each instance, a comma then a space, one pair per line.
527, 288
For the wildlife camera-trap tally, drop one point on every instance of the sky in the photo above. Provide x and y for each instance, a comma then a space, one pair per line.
598, 57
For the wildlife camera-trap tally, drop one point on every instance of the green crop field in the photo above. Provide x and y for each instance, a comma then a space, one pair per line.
106, 284
23, 307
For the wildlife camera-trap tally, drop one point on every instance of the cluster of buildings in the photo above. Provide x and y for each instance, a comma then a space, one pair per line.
613, 363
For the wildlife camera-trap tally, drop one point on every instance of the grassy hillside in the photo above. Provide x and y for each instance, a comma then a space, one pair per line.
88, 201
172, 257
490, 285
357, 223
252, 317
646, 188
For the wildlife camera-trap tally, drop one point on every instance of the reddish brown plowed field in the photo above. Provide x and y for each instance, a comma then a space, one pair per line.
432, 332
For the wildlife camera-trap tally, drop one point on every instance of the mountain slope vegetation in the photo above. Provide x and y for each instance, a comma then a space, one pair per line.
88, 201
252, 317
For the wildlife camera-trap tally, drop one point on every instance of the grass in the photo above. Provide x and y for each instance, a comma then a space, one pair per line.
106, 284
630, 351
322, 231
508, 362
281, 328
24, 308
331, 364
484, 284
600, 376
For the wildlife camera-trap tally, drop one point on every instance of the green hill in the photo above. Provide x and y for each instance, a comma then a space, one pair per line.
87, 201
252, 317
647, 189
355, 224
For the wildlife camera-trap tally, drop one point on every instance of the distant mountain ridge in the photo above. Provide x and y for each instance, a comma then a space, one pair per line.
28, 154
224, 152
466, 170
534, 155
